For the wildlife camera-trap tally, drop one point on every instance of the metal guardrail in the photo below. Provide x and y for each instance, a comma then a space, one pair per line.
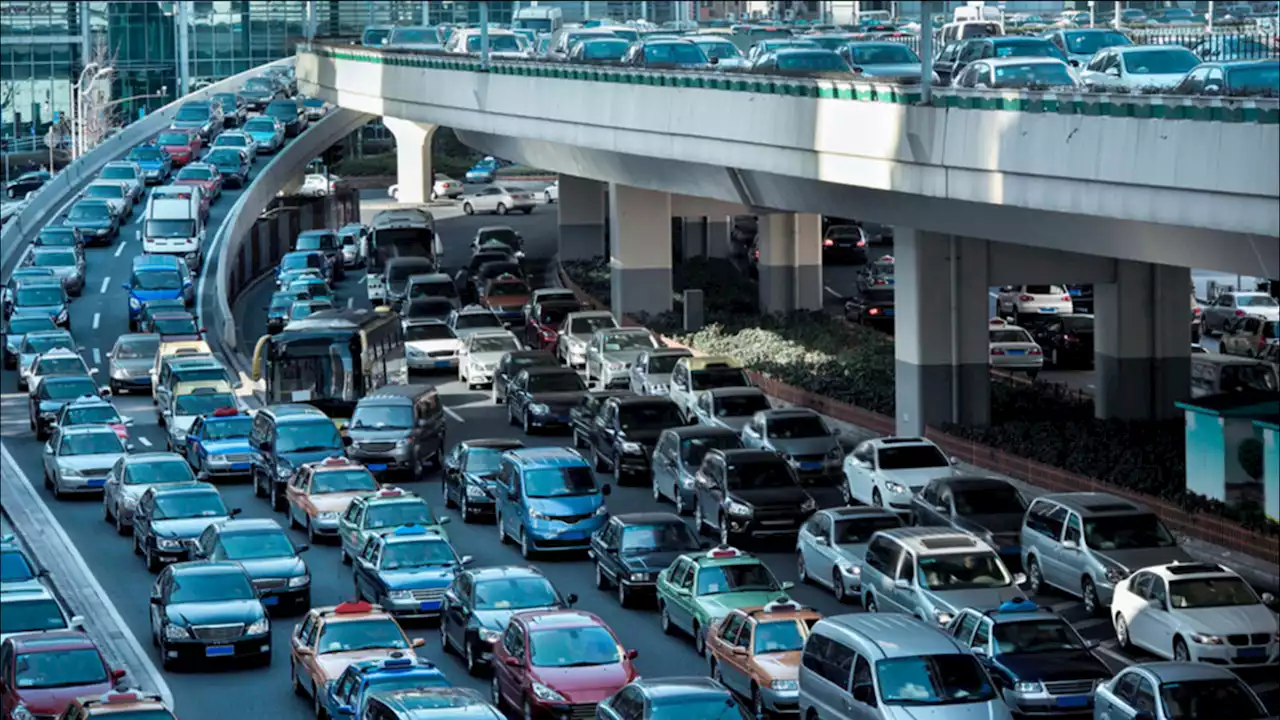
1242, 43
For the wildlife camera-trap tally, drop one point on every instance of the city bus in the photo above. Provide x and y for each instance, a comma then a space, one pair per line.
331, 359
393, 233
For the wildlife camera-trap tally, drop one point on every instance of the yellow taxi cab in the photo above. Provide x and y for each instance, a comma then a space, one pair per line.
320, 492
177, 347
330, 638
755, 652
122, 704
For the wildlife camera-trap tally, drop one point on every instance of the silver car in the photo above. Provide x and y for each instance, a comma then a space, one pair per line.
677, 456
78, 459
128, 172
130, 360
611, 352
801, 436
131, 476
37, 343
480, 353
16, 328
239, 140
1176, 690
651, 372
576, 332
731, 407
67, 264
181, 411
831, 545
59, 361
473, 319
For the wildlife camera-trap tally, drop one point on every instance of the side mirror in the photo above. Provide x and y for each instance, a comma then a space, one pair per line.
93, 371
204, 476
821, 541
737, 650
954, 460
1111, 71
443, 521
1092, 645
77, 622
129, 447
715, 61
606, 489
1019, 578
304, 651
979, 650
788, 585
234, 512
126, 286
633, 654
902, 584
417, 642
1070, 545
118, 674
466, 560
301, 548
571, 599
1268, 599
1074, 63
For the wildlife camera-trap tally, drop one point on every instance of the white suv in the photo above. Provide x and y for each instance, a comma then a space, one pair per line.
1018, 300
887, 472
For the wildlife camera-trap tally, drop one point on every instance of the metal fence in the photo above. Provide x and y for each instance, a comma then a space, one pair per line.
1236, 44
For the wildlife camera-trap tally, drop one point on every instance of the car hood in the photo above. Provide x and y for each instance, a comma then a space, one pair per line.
1054, 666
644, 437
333, 664
50, 309
1139, 558
623, 356
780, 665
297, 459
215, 613
184, 528
101, 462
145, 296
917, 478
559, 399
1158, 80
434, 345
506, 302
584, 684
138, 365
90, 223
229, 446
335, 502
994, 710
372, 435
577, 338
488, 481
180, 424
52, 701
262, 135
277, 567
419, 578
826, 496
487, 358
717, 606
651, 562
562, 506
156, 164
806, 446
771, 497
65, 271
177, 149
892, 70
1239, 619
498, 619
981, 598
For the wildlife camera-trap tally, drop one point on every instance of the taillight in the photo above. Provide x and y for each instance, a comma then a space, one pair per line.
1025, 298
1068, 338
1034, 351
828, 243
862, 243
1196, 311
873, 311
756, 254
880, 282
1239, 313
1067, 298
997, 351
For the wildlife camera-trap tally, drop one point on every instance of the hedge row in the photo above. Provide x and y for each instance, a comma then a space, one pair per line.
823, 355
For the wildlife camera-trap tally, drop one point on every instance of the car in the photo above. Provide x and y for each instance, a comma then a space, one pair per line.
156, 286
625, 432
352, 237
302, 260
559, 504
699, 589
257, 92
672, 698
745, 493
611, 352
477, 282
832, 544
887, 472
326, 243
551, 193
319, 185
182, 146
388, 508
289, 436
582, 417
26, 184
288, 112
78, 459
542, 397
61, 236
129, 479
208, 612
1039, 663
231, 163
94, 410
650, 372
498, 199
1230, 78
190, 400
730, 408
756, 653
1184, 690
720, 51
505, 295
278, 308
678, 455
431, 702
26, 275
184, 368
34, 612
201, 116
694, 376
95, 220
873, 306
268, 557
315, 108
511, 364
470, 469
238, 140
631, 549
1016, 301
320, 493
117, 194
1065, 341
507, 239
172, 324
1230, 305
43, 295
67, 264
234, 109
126, 171
430, 344
118, 702
204, 176
1011, 348
44, 673
266, 131
330, 638
16, 328
218, 446
168, 520
398, 429
1249, 336
763, 47
18, 571
804, 439
156, 164
666, 53
481, 350
543, 320
365, 680
303, 309
884, 61
1138, 68
1081, 44
56, 361
50, 394
406, 569
312, 285
990, 508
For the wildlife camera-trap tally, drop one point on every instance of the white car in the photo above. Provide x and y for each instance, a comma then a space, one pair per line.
551, 194
125, 171
319, 185
239, 140
431, 345
1135, 68
727, 56
1195, 612
887, 472
1231, 305
1012, 348
575, 334
498, 199
480, 354
1018, 300
445, 187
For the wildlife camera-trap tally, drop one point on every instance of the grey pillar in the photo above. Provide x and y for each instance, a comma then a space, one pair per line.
790, 262
582, 218
640, 250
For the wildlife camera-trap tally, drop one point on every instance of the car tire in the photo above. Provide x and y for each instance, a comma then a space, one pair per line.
624, 596
837, 587
664, 619
466, 208
598, 461
699, 640
501, 209
1089, 595
495, 694
502, 533
277, 498
107, 515
1122, 632
1035, 577
526, 551
681, 509
802, 571
1180, 651
527, 211
527, 427
444, 495
311, 533
121, 528
871, 605
546, 196
602, 581
464, 509
153, 565
876, 499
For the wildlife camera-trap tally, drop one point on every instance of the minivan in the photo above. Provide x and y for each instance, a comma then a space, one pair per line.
1084, 543
889, 666
547, 500
398, 428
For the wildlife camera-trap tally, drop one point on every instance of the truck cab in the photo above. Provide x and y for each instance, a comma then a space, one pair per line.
175, 226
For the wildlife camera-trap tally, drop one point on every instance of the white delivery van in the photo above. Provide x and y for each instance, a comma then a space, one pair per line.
190, 193
540, 18
174, 226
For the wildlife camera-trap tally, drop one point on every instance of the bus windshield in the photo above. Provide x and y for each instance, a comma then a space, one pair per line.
392, 242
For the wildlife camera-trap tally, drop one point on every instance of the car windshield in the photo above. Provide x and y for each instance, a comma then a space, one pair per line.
1036, 636
642, 539
515, 594
57, 236
712, 378
155, 472
694, 449
383, 417
797, 427
1028, 49
90, 443
755, 475
615, 342
173, 139
556, 382
717, 50
858, 531
737, 577
1245, 378
150, 154
824, 61
675, 53
202, 403
706, 706
588, 325
1259, 79
494, 344
443, 289
507, 288
317, 241
1211, 592
420, 553
1196, 699
428, 331
45, 343
68, 389
573, 647
175, 325
192, 114
989, 501
89, 211
105, 191
395, 514
138, 349
663, 364
1255, 301
1041, 74
231, 141
966, 571
54, 258
174, 506
158, 279
551, 482
889, 54
1088, 43
24, 324
473, 321
14, 567
256, 545
259, 83
92, 415
341, 481
225, 156
260, 126
740, 405
1127, 532
497, 43
39, 295
413, 35
1165, 61
60, 366
118, 173
171, 229
911, 457
605, 49
313, 287
308, 437
287, 111
355, 635
190, 172
209, 587
301, 261
933, 680
31, 616
778, 636
1009, 336
301, 310
656, 416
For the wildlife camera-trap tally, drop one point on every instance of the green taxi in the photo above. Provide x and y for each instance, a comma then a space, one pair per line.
376, 513
700, 588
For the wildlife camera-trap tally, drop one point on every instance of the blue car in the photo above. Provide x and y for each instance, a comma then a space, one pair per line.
548, 500
345, 697
155, 163
483, 172
218, 445
154, 278
406, 570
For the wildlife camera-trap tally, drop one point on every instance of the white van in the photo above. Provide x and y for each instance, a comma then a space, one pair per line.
542, 19
190, 193
174, 226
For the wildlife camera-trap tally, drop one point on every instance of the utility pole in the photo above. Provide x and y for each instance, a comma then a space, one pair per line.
184, 48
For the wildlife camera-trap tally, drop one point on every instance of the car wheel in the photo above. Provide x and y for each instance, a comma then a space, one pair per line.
624, 596
871, 604
657, 491
257, 485
757, 702
699, 641
311, 533
464, 508
876, 499
526, 551
837, 586
546, 196
528, 429
681, 509
107, 515
294, 682
528, 710
699, 522
602, 582
1035, 578
501, 209
153, 564
444, 495
1089, 594
664, 619
466, 208
473, 665
502, 533
599, 463
121, 528
1122, 632
1180, 651
495, 693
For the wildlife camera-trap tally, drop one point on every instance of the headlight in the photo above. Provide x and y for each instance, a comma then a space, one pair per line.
808, 506
284, 472
328, 515
639, 577
738, 509
120, 373
22, 713
617, 366
539, 409
258, 627
134, 303
490, 636
785, 685
475, 491
894, 487
942, 617
602, 510
1206, 639
1115, 574
542, 692
535, 515
129, 501
1027, 688
686, 481
834, 454
414, 353
400, 595
62, 316
849, 568
299, 581
69, 472
631, 447
168, 543
402, 443
176, 632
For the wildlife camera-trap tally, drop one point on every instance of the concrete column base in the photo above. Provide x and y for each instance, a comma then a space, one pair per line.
923, 395
787, 289
641, 290
582, 242
1141, 388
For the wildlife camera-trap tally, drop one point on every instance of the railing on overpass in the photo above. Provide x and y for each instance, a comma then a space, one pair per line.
1069, 102
1234, 43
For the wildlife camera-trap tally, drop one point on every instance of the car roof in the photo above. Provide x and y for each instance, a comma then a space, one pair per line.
248, 525
894, 635
500, 572
648, 518
899, 441
641, 401
858, 511
1191, 571
546, 457
935, 540
191, 488
733, 456
1000, 62
53, 641
734, 392
88, 430
792, 412
207, 567
1172, 672
672, 687
1095, 504
144, 457
690, 432
541, 620
31, 593
492, 443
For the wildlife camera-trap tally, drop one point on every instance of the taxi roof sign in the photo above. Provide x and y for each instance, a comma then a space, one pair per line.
782, 604
390, 492
724, 551
397, 660
226, 412
353, 608
333, 460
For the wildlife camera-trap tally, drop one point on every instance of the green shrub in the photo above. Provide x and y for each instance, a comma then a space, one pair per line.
380, 164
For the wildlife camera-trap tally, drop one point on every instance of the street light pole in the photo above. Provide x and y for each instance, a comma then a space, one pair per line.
80, 108
75, 105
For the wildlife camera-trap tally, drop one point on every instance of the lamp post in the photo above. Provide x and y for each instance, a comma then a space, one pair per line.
77, 105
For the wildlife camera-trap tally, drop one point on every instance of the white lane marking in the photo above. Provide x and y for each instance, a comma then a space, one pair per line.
105, 282
832, 292
351, 302
993, 295
449, 411
148, 669
97, 356
137, 235
364, 279
144, 441
120, 248
97, 318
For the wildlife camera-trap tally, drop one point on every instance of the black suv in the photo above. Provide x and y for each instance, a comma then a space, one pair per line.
749, 494
542, 398
625, 431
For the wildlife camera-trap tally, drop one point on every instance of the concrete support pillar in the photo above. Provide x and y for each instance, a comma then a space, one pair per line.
582, 218
413, 158
640, 250
940, 331
1141, 336
790, 262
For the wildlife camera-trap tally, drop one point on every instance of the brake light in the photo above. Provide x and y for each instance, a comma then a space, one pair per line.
1239, 313
828, 243
1069, 338
873, 311
1025, 298
756, 254
1067, 298
862, 243
1034, 351
879, 282
123, 433
997, 351
121, 697
1196, 311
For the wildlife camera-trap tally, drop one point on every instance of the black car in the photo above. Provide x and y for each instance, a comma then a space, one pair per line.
259, 91
26, 183
208, 612
53, 392
268, 557
466, 288
1081, 298
426, 311
749, 494
844, 243
663, 698
625, 431
492, 270
169, 519
582, 418
506, 237
542, 397
59, 236
990, 508
1067, 340
469, 472
480, 603
871, 306
290, 115
94, 220
631, 549
512, 363
234, 108
232, 165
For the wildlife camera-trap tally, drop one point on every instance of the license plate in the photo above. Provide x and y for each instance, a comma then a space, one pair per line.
888, 313
443, 363
219, 651
1048, 310
572, 535
1075, 292
1253, 652
1073, 701
890, 281
375, 468
810, 466
270, 600
429, 605
97, 482
239, 466
1017, 352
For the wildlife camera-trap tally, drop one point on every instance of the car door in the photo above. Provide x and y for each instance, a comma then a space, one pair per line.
970, 50
903, 598
734, 671
51, 453
703, 410
665, 466
515, 395
301, 642
680, 605
512, 489
349, 529
1217, 313
638, 373
1092, 73
594, 350
297, 496
711, 484
602, 435
455, 611
820, 558
1112, 701
366, 567
508, 676
1050, 555
858, 473
1070, 555
159, 597
142, 519
1154, 625
927, 508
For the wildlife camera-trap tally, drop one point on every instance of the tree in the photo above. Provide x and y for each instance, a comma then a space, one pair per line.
99, 116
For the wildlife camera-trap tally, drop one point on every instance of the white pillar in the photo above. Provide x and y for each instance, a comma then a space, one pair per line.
940, 331
184, 49
790, 262
640, 250
581, 206
413, 158
1141, 338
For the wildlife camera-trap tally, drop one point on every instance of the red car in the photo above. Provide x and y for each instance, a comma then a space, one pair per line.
552, 664
45, 672
183, 146
206, 177
544, 321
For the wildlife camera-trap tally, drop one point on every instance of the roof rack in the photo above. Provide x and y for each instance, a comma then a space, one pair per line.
1016, 605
